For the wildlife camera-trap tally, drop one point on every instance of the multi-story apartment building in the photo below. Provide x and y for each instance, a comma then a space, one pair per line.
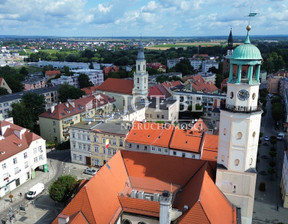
71, 65
89, 141
21, 152
55, 122
50, 94
96, 77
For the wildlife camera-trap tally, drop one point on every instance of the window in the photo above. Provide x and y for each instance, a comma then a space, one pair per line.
239, 135
96, 148
88, 148
130, 146
193, 156
41, 157
95, 138
236, 162
35, 159
54, 130
54, 123
174, 153
159, 149
137, 146
73, 135
17, 170
253, 96
25, 155
137, 80
73, 145
80, 157
234, 188
145, 147
138, 67
4, 166
183, 155
158, 116
166, 150
84, 147
79, 136
40, 149
254, 134
114, 151
109, 152
103, 140
15, 160
121, 143
35, 150
162, 116
74, 156
231, 95
114, 142
26, 164
96, 162
88, 137
153, 148
224, 131
80, 146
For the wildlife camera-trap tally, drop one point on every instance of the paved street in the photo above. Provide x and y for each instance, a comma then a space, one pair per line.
42, 209
265, 207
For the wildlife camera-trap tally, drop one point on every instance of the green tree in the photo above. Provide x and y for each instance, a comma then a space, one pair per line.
34, 102
277, 111
22, 116
84, 81
24, 71
3, 91
197, 112
62, 189
184, 66
273, 140
67, 70
66, 92
87, 53
91, 66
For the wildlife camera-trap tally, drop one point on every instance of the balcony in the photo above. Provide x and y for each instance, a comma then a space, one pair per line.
241, 109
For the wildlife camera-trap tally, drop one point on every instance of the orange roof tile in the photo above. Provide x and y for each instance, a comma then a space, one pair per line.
52, 73
89, 90
169, 84
73, 107
199, 126
158, 90
186, 140
199, 84
12, 144
139, 206
150, 134
108, 69
108, 193
122, 86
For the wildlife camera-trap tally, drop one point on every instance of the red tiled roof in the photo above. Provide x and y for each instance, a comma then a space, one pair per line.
210, 149
12, 144
199, 84
139, 206
150, 134
169, 84
90, 90
199, 126
112, 185
108, 69
77, 106
186, 140
158, 90
52, 73
122, 86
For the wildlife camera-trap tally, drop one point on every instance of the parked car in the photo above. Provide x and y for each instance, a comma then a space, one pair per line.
35, 190
90, 171
280, 136
266, 138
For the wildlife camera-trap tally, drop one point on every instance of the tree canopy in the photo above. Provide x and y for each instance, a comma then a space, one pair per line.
3, 91
62, 189
21, 115
66, 92
84, 81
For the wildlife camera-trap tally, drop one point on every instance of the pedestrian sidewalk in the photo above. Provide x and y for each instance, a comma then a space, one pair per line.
40, 177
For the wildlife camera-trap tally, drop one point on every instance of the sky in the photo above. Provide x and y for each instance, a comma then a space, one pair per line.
115, 18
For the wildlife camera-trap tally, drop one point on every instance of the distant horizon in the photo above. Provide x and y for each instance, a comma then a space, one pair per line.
152, 18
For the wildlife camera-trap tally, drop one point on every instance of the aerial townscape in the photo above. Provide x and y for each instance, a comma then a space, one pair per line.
143, 112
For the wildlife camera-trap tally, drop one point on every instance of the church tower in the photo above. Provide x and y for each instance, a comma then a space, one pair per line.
226, 62
141, 75
240, 120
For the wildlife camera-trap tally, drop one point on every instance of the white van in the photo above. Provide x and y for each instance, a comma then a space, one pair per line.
35, 190
280, 136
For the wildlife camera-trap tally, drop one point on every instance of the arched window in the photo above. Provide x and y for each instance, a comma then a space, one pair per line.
126, 221
239, 135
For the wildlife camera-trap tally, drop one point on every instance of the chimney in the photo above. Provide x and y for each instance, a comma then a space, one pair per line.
165, 207
63, 219
52, 108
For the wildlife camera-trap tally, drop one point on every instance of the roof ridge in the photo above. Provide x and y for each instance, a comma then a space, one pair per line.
89, 201
194, 174
204, 211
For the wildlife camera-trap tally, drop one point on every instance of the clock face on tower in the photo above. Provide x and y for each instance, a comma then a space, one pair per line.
243, 94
